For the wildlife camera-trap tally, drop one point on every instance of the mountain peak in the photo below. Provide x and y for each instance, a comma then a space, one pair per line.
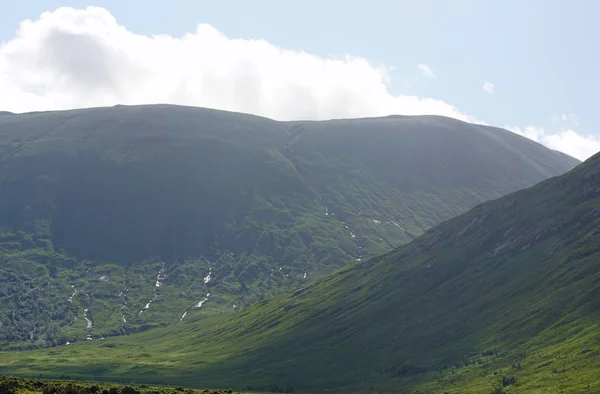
119, 221
146, 216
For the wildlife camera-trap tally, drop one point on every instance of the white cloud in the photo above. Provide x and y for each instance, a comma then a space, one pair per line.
82, 58
425, 70
568, 141
566, 118
76, 58
488, 87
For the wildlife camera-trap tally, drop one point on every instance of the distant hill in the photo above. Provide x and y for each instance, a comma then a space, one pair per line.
120, 219
505, 298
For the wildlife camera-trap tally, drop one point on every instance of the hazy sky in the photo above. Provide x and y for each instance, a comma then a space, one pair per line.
528, 65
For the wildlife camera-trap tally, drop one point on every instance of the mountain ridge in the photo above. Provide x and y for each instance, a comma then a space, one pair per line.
101, 200
503, 298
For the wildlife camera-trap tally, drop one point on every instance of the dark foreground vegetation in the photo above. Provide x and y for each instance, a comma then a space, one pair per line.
17, 385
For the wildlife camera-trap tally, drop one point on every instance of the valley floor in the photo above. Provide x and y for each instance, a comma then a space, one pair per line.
568, 362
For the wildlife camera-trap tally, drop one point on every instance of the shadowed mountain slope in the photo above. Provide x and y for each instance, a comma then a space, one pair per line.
504, 298
120, 219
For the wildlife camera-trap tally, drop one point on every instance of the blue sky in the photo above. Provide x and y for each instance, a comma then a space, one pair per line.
539, 58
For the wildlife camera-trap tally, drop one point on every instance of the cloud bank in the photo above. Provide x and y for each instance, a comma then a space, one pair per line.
74, 58
83, 58
567, 141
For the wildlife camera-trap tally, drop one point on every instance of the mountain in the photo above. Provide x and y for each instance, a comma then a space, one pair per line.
504, 298
119, 219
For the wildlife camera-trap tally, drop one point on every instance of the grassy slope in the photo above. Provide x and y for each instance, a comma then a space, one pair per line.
519, 274
265, 206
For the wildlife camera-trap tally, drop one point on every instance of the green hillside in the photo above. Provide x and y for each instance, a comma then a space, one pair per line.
121, 219
505, 298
